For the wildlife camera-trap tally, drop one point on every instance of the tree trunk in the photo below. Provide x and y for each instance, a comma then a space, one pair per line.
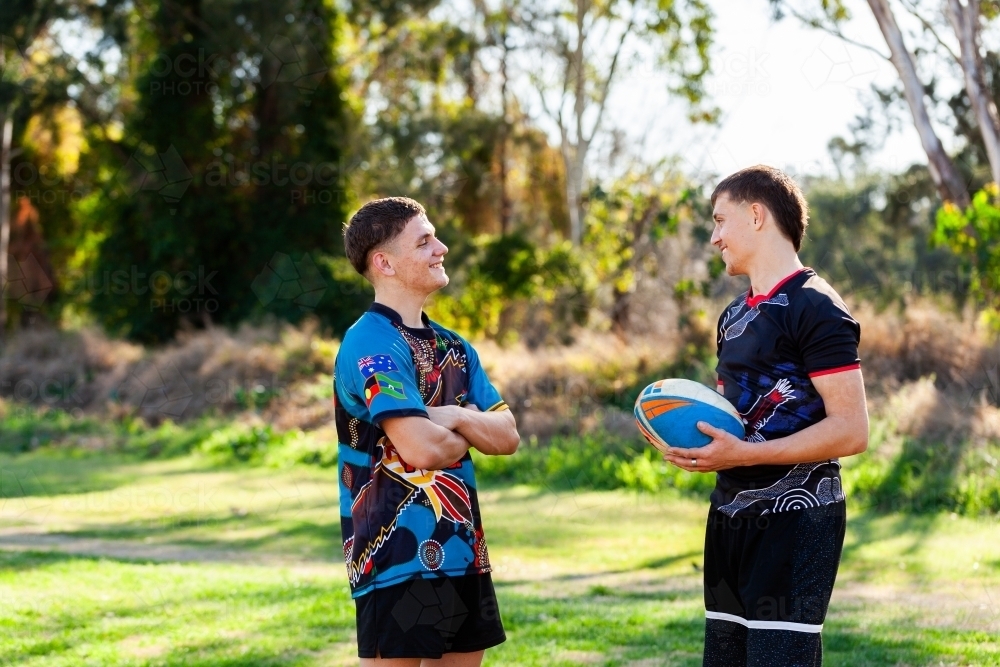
949, 182
574, 171
965, 21
505, 203
7, 118
574, 193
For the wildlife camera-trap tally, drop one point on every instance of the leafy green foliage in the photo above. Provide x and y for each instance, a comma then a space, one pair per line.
974, 235
262, 445
597, 460
627, 226
24, 429
502, 270
239, 442
925, 476
872, 239
626, 221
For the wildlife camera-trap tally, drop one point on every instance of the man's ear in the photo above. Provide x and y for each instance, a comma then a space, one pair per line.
758, 211
382, 264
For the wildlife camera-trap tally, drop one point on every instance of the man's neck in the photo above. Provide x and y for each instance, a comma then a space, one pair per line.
408, 305
771, 271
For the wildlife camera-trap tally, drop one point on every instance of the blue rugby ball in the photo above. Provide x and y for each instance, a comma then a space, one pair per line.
667, 412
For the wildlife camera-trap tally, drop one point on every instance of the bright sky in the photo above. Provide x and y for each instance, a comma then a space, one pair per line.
785, 91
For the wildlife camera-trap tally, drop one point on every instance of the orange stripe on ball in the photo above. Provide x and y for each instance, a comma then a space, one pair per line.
656, 408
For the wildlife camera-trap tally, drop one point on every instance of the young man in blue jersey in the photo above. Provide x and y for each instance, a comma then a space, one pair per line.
411, 399
788, 361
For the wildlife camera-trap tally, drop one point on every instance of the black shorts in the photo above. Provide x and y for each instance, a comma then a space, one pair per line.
768, 581
426, 618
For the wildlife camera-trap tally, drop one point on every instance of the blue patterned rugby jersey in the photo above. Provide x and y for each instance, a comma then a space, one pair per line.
398, 522
769, 348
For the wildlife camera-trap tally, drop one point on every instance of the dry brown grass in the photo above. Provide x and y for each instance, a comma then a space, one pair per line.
932, 372
67, 369
899, 345
217, 369
553, 389
564, 389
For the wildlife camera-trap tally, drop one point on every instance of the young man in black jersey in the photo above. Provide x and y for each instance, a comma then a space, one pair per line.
788, 361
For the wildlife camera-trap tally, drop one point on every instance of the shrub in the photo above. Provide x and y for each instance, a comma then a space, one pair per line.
239, 443
318, 448
924, 474
596, 460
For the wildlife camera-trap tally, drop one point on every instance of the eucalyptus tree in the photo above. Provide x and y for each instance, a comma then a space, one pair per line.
580, 49
928, 43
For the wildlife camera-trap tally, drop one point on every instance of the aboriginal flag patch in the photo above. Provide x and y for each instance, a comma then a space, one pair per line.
380, 383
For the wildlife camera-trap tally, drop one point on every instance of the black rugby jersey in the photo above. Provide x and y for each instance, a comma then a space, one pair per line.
769, 348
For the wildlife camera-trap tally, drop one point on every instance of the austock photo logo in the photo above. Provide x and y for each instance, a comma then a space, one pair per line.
185, 74
27, 283
297, 62
839, 64
162, 389
284, 58
284, 278
164, 173
22, 493
306, 182
742, 74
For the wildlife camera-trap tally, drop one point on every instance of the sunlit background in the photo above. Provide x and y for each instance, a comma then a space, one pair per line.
174, 179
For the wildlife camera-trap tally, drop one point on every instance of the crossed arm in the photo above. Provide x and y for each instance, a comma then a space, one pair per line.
448, 432
843, 432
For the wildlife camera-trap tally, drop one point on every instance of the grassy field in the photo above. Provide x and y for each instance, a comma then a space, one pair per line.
109, 561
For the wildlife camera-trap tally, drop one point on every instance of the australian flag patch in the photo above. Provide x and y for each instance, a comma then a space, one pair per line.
379, 363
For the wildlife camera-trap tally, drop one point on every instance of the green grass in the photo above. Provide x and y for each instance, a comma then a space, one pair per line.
241, 565
61, 610
71, 611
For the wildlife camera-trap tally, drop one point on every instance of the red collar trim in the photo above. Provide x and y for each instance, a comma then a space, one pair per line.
754, 301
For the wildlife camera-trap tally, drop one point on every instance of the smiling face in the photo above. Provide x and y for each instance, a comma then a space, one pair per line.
735, 225
414, 258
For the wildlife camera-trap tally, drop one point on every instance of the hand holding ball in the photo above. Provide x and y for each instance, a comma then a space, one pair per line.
668, 411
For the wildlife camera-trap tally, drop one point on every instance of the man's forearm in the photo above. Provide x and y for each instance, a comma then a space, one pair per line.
424, 444
448, 447
831, 438
490, 432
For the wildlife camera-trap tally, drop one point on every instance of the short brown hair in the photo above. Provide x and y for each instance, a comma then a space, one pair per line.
376, 223
774, 189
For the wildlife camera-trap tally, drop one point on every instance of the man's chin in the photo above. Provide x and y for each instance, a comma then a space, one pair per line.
441, 280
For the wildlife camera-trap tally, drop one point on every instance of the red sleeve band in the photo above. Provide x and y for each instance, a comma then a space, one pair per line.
839, 369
